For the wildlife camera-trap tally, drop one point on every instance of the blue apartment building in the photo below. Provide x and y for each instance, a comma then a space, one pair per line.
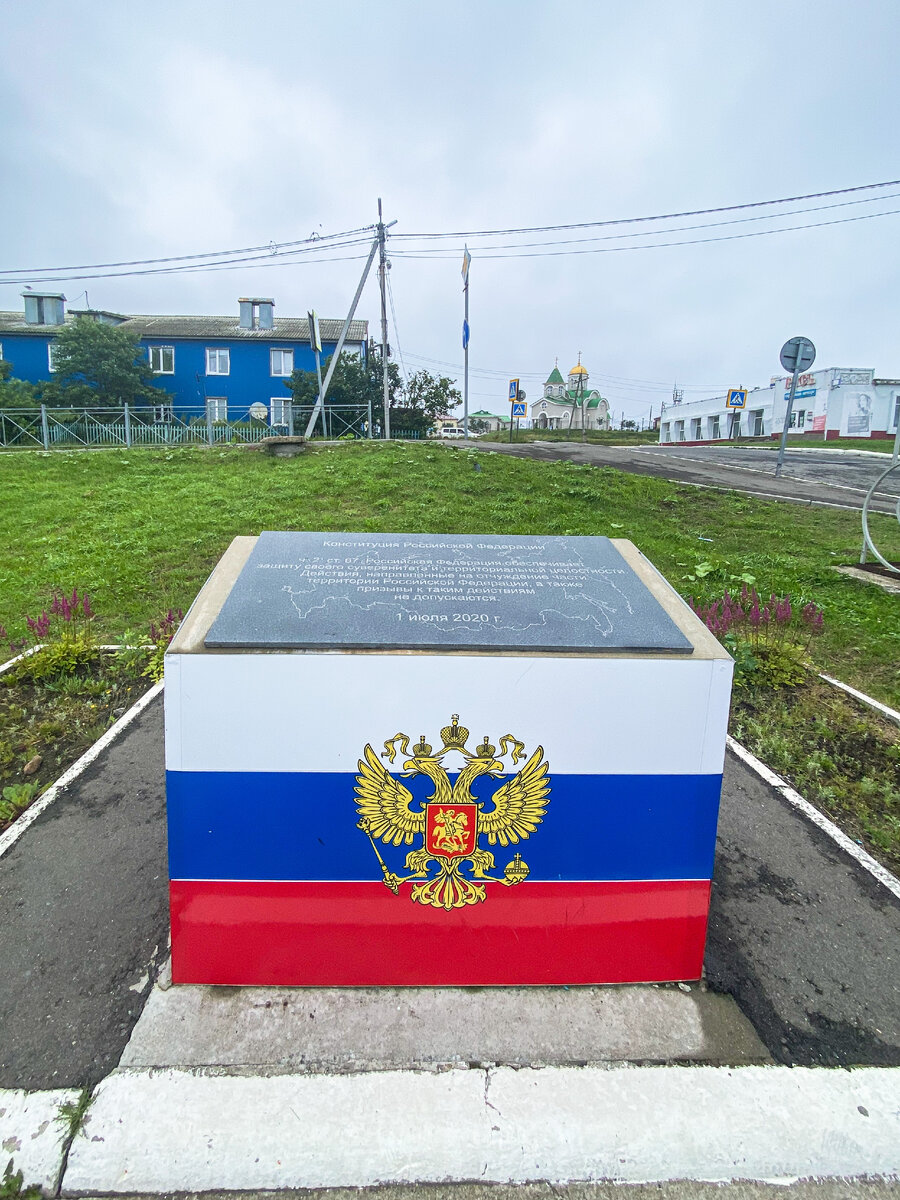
215, 365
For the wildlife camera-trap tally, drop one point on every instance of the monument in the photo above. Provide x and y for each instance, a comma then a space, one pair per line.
441, 760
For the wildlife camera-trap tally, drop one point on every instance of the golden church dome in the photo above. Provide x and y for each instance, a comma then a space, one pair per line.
578, 370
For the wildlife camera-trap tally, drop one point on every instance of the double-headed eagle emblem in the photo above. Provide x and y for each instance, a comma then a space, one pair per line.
451, 819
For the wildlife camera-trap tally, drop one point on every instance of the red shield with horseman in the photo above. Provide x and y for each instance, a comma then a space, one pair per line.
451, 830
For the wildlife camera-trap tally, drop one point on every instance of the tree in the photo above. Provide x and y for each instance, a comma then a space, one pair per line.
101, 364
413, 408
433, 396
353, 382
16, 393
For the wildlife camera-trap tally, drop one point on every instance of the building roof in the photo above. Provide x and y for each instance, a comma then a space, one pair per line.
554, 377
286, 329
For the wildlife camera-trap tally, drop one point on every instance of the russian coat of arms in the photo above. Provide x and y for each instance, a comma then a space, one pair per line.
451, 820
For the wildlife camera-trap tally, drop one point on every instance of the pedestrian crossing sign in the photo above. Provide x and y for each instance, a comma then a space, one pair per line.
737, 398
518, 409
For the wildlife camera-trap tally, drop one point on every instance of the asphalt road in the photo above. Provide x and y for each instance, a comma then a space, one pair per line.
827, 477
805, 940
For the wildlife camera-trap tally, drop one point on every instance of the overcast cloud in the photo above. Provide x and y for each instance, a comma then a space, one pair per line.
136, 131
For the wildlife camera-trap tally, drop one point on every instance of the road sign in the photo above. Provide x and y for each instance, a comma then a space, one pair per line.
736, 398
513, 390
518, 410
798, 354
315, 337
467, 259
465, 335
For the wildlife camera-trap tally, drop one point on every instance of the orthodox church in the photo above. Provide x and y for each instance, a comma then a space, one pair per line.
565, 403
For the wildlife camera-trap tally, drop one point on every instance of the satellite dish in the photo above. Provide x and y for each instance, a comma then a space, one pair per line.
258, 411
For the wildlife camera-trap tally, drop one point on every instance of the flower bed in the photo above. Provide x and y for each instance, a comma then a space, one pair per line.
64, 692
838, 754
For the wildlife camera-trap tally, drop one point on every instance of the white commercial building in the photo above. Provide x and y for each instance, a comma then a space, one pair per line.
829, 403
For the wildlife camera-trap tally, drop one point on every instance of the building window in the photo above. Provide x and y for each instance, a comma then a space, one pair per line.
162, 360
51, 356
281, 362
893, 426
679, 431
714, 431
664, 432
734, 430
757, 418
279, 411
696, 429
798, 419
217, 407
218, 360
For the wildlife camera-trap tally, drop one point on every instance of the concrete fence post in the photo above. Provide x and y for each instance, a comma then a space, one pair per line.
45, 427
209, 425
127, 423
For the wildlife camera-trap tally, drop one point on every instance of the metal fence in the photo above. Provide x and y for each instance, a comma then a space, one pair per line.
88, 428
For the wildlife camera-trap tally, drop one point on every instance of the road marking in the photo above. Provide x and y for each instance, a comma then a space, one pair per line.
865, 860
31, 814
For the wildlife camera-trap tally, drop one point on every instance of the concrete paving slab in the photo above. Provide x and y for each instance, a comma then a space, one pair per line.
176, 1131
364, 1029
31, 1138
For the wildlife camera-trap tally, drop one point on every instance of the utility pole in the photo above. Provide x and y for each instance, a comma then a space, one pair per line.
385, 349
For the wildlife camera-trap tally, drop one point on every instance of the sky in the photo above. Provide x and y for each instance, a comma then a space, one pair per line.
137, 132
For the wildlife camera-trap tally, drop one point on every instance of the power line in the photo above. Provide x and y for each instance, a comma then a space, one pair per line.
731, 237
289, 258
697, 212
272, 248
396, 330
646, 233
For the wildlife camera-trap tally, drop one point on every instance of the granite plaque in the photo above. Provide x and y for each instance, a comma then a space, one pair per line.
441, 592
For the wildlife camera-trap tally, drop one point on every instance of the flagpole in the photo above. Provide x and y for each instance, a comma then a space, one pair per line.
467, 258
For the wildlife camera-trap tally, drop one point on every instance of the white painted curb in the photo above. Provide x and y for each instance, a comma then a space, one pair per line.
180, 1131
31, 814
865, 860
31, 1136
863, 698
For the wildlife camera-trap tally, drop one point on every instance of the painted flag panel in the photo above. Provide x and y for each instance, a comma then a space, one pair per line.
330, 822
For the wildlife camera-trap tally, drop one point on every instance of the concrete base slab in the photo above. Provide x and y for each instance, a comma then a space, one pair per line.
365, 1029
31, 1137
176, 1131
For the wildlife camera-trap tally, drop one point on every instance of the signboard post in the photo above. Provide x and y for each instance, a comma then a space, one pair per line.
797, 355
514, 400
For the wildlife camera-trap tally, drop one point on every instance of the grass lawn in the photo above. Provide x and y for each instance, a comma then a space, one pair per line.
141, 530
